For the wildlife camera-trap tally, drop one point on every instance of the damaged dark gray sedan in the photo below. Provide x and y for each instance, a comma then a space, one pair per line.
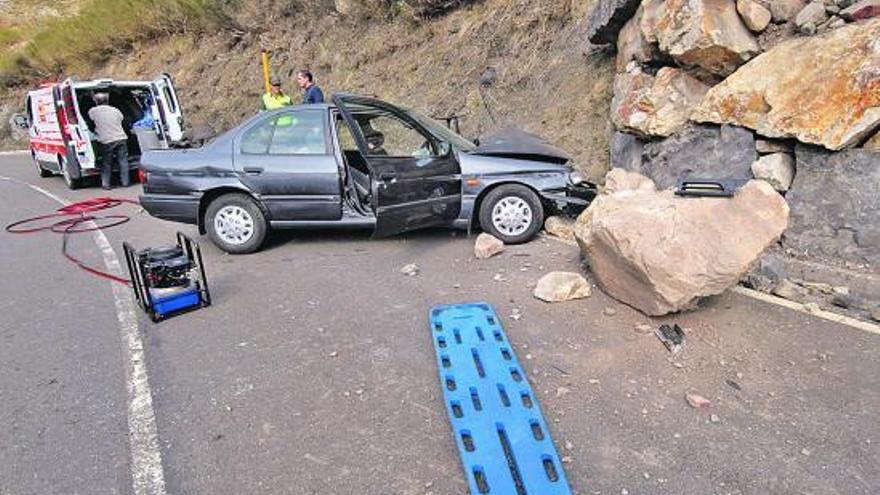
359, 162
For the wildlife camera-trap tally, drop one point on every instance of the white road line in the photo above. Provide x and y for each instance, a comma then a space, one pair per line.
826, 315
767, 298
14, 152
148, 477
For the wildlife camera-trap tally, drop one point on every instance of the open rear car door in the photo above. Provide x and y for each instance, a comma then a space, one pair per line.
167, 109
415, 177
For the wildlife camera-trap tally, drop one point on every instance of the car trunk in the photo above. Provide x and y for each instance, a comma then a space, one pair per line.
134, 103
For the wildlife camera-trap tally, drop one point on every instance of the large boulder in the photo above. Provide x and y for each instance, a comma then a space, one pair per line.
654, 106
822, 90
835, 206
776, 168
811, 17
861, 10
785, 10
626, 151
705, 152
633, 46
661, 253
618, 179
607, 18
754, 15
708, 34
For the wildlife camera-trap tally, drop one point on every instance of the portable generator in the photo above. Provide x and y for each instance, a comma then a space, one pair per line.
168, 280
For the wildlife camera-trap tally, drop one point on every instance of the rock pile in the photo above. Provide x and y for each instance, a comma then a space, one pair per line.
739, 88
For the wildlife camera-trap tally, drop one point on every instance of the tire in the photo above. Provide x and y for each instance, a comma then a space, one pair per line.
42, 172
248, 227
70, 181
512, 213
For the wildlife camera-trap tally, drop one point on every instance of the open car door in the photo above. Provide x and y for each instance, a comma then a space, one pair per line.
415, 177
166, 108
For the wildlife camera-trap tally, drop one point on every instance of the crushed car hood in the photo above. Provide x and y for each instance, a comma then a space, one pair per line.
514, 143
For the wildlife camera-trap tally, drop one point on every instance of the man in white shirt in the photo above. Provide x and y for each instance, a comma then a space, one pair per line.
112, 138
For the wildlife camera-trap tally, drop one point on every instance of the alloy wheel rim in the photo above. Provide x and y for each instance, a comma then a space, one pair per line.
234, 225
512, 216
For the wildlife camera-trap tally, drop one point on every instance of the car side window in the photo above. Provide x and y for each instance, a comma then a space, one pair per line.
289, 133
387, 135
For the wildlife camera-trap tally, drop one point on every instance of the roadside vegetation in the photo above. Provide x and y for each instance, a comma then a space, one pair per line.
44, 42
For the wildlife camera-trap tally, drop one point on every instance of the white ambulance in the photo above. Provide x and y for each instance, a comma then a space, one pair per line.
61, 137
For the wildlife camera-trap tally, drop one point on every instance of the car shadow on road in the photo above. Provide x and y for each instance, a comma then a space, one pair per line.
279, 238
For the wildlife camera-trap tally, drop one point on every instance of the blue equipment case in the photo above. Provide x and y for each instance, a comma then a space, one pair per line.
502, 437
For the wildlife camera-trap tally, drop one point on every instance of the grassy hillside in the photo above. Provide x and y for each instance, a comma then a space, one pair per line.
546, 81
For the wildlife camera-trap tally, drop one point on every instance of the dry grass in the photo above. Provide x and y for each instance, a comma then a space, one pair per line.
90, 31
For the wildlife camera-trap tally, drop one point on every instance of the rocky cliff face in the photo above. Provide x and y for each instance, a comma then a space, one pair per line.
777, 76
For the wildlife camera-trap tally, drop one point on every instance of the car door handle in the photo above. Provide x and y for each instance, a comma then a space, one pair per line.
387, 177
253, 170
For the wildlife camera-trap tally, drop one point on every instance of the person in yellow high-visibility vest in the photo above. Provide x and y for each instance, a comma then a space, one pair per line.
275, 98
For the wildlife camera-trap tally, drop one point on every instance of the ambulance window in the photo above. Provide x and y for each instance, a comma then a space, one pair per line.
172, 105
30, 112
69, 104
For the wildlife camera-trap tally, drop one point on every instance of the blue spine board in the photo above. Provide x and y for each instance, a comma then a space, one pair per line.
502, 437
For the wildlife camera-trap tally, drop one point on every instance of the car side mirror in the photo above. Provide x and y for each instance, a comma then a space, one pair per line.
444, 148
20, 121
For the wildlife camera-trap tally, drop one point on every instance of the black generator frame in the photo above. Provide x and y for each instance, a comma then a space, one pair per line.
193, 251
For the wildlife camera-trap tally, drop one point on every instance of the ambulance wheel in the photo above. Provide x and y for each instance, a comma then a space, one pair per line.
70, 181
236, 224
40, 169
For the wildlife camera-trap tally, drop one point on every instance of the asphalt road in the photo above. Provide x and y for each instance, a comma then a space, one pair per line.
313, 373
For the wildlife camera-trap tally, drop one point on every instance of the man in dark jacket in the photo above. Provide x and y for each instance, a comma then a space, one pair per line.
311, 92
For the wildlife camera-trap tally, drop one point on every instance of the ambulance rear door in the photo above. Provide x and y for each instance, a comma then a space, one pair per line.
75, 131
166, 109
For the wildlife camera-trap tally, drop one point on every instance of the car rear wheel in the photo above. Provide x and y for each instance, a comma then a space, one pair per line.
512, 213
236, 224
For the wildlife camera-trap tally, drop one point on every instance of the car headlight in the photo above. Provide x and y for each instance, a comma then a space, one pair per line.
575, 178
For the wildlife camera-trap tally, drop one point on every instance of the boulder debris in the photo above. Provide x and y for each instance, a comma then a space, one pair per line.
835, 207
861, 10
654, 106
607, 18
618, 179
562, 286
660, 253
821, 89
708, 34
560, 227
754, 15
784, 10
700, 151
487, 246
777, 169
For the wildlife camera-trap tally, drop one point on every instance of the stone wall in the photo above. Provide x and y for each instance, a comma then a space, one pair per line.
787, 91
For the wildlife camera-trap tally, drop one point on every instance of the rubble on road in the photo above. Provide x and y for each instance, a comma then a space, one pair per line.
560, 227
562, 286
410, 270
697, 401
487, 246
660, 253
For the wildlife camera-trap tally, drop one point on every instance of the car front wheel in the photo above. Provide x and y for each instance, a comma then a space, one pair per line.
512, 213
236, 224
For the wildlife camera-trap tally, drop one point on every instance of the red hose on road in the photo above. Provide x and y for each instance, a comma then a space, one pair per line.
72, 219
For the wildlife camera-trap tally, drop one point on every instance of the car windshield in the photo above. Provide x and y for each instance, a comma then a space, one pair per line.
441, 131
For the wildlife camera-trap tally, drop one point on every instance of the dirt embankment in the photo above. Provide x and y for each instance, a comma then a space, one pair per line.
546, 81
